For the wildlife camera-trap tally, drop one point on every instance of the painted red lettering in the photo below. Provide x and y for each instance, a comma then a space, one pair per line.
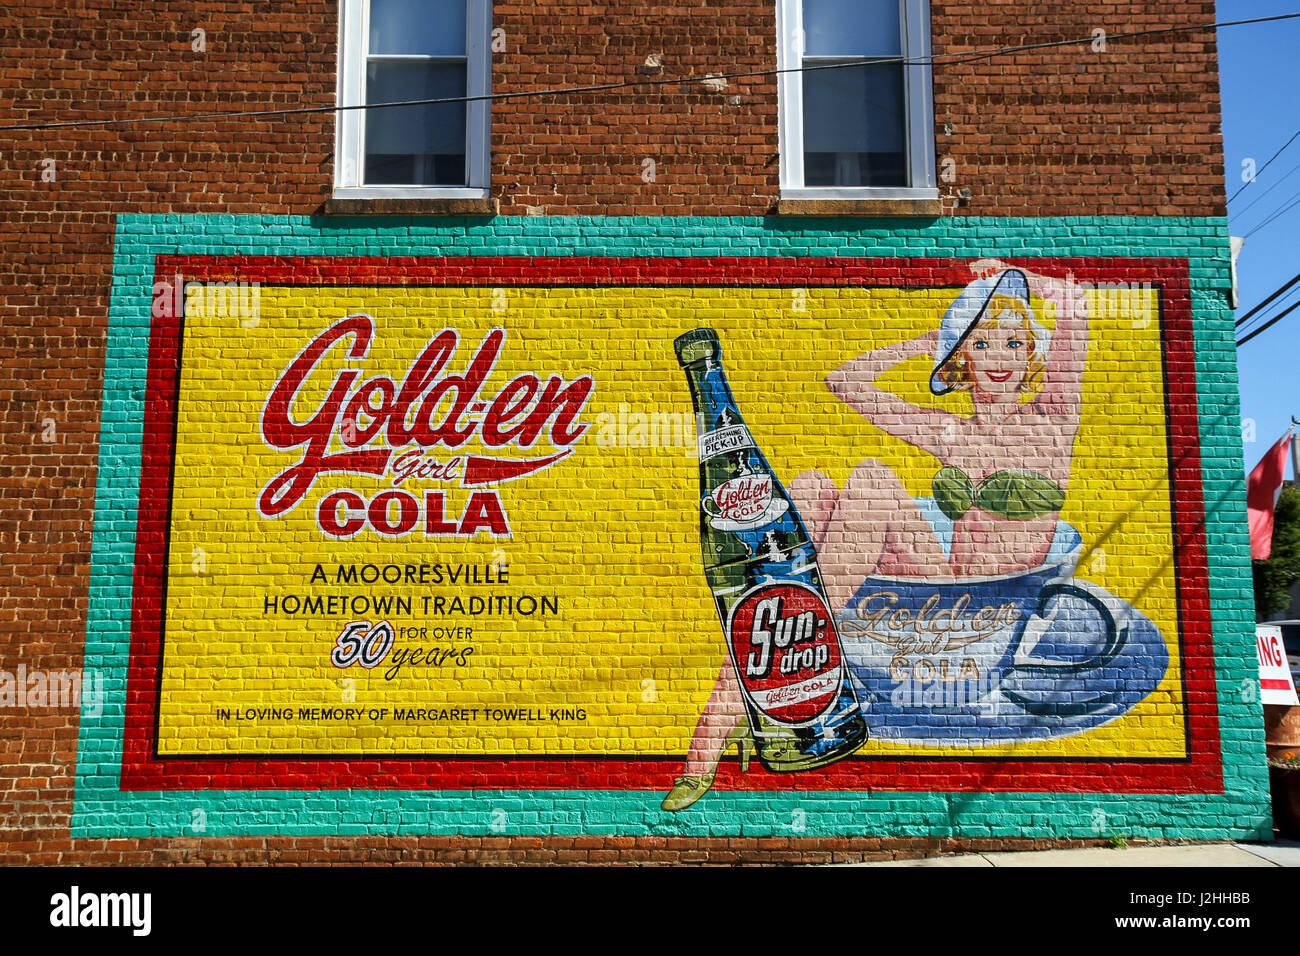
504, 408
430, 407
408, 512
350, 523
484, 512
289, 487
435, 515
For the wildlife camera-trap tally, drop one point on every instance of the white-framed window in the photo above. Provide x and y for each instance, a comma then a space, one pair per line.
864, 128
394, 51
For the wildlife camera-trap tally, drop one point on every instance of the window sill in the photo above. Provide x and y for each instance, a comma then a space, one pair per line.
428, 206
925, 208
411, 192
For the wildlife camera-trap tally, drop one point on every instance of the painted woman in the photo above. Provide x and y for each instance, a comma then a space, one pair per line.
1004, 475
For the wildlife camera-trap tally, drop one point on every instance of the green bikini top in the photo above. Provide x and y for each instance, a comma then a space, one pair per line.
1013, 493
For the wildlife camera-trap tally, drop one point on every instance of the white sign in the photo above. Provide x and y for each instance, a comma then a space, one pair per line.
1275, 683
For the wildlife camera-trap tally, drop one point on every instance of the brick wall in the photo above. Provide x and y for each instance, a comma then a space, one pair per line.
1129, 132
1133, 130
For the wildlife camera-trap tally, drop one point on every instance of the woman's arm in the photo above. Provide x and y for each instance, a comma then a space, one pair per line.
854, 383
1067, 356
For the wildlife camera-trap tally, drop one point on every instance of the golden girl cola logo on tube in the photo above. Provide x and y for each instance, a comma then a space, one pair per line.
786, 651
741, 501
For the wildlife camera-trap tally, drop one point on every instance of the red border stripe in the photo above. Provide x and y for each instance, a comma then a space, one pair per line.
1199, 772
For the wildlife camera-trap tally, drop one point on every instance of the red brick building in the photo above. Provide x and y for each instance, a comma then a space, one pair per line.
615, 147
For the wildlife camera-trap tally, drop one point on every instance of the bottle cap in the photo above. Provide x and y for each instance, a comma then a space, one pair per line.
696, 345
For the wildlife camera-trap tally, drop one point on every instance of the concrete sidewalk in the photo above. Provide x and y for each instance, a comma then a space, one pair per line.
1280, 853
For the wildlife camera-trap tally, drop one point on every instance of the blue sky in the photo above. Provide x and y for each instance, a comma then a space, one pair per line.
1259, 70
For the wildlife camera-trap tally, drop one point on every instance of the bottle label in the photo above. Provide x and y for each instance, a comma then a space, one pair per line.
786, 651
743, 503
726, 439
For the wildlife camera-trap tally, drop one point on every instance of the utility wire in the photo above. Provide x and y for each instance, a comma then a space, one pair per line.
1291, 203
1268, 213
1277, 292
1265, 166
1269, 324
1285, 176
660, 81
1260, 319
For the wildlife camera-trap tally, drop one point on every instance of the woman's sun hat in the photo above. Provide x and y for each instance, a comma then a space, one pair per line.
965, 313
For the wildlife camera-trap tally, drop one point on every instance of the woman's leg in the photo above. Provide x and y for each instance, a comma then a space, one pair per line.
872, 525
876, 527
721, 715
815, 495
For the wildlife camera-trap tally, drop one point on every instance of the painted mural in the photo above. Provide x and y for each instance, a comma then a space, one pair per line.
951, 618
679, 526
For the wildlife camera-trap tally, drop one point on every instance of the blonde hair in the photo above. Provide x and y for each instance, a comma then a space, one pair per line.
956, 376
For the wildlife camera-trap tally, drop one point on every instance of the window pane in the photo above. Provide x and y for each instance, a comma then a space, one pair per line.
429, 27
852, 28
415, 145
853, 126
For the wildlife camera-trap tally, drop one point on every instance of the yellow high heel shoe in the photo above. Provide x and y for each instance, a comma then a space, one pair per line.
689, 788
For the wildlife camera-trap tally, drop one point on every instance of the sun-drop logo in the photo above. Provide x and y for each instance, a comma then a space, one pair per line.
786, 651
384, 428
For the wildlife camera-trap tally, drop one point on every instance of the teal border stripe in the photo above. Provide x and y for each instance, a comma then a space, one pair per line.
101, 810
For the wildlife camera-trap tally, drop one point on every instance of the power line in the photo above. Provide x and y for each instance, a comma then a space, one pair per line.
1272, 218
1277, 292
1261, 319
1291, 203
1270, 323
1266, 214
1283, 292
1265, 166
655, 82
1285, 176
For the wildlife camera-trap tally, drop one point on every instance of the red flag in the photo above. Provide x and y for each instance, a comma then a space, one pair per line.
1262, 489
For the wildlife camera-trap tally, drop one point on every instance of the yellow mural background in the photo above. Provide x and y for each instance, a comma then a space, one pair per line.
611, 531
